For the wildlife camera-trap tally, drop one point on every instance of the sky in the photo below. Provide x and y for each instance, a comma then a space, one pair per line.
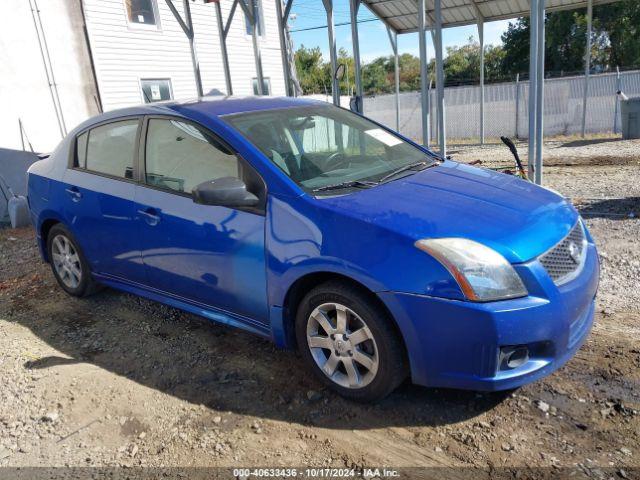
374, 41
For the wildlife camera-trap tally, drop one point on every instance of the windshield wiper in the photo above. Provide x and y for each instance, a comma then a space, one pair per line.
411, 166
349, 184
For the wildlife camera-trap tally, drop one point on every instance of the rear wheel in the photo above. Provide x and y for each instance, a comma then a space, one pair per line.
68, 263
349, 342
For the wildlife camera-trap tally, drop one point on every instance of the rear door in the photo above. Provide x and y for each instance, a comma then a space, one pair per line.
98, 198
210, 255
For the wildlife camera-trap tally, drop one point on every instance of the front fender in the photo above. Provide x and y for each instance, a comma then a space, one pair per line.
303, 237
283, 281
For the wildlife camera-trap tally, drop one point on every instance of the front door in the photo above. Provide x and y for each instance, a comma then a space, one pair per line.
210, 255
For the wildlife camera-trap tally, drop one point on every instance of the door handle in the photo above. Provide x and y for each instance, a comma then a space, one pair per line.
150, 216
74, 193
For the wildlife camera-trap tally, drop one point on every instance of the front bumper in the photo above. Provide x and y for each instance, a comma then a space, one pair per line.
457, 344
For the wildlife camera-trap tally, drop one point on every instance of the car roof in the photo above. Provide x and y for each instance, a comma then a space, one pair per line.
211, 106
219, 105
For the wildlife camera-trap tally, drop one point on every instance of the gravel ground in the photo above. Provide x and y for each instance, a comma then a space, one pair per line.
115, 380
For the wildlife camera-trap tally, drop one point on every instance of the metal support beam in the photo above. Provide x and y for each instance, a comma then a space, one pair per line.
335, 84
480, 22
227, 25
282, 24
533, 73
48, 68
393, 38
481, 37
442, 135
540, 93
517, 95
617, 100
424, 76
223, 49
192, 47
287, 9
587, 67
247, 9
355, 40
187, 27
250, 11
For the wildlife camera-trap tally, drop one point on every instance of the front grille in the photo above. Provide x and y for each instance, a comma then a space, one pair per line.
564, 261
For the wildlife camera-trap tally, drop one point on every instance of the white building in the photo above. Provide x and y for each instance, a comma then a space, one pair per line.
107, 54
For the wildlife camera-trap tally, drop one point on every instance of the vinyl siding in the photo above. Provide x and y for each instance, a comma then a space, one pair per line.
124, 54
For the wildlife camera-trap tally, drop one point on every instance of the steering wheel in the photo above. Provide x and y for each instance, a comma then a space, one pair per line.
336, 160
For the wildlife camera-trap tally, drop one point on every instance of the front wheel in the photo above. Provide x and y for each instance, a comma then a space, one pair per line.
349, 342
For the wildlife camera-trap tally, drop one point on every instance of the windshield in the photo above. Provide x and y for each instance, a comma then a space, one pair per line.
322, 147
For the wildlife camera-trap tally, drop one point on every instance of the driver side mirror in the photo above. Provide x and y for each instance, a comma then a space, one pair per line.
224, 192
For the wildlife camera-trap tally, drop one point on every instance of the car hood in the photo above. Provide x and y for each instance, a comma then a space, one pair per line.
514, 217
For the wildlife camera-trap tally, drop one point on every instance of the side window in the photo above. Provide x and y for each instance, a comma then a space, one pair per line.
180, 156
81, 150
111, 148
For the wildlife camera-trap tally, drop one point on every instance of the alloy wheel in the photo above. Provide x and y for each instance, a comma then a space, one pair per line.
342, 345
66, 261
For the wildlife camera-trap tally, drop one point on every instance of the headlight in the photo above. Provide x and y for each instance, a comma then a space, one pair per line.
482, 273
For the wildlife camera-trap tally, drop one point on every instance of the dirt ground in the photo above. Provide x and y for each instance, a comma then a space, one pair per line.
115, 380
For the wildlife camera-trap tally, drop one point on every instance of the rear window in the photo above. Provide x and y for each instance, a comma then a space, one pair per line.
110, 149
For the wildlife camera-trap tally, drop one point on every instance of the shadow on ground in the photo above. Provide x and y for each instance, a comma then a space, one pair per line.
592, 141
612, 208
217, 366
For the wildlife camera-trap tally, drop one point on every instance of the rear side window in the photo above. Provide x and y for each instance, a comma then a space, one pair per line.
111, 149
180, 156
81, 150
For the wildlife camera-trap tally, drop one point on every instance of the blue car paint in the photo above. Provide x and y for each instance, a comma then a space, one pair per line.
100, 213
237, 267
210, 255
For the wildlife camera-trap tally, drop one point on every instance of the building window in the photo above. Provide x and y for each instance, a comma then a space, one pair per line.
260, 18
266, 86
142, 12
156, 90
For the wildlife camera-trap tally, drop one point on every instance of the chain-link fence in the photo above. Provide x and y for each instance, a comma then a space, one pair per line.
506, 108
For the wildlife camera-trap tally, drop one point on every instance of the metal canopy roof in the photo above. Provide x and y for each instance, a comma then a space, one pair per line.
402, 15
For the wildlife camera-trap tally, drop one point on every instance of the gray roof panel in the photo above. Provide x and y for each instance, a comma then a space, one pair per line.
402, 15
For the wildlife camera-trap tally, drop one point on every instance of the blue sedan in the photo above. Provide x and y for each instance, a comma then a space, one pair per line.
325, 232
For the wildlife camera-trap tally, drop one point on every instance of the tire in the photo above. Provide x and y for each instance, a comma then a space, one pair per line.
365, 371
70, 267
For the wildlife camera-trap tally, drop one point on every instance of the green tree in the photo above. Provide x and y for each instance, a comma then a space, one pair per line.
565, 43
312, 73
462, 64
375, 76
409, 72
615, 39
620, 23
493, 58
515, 42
